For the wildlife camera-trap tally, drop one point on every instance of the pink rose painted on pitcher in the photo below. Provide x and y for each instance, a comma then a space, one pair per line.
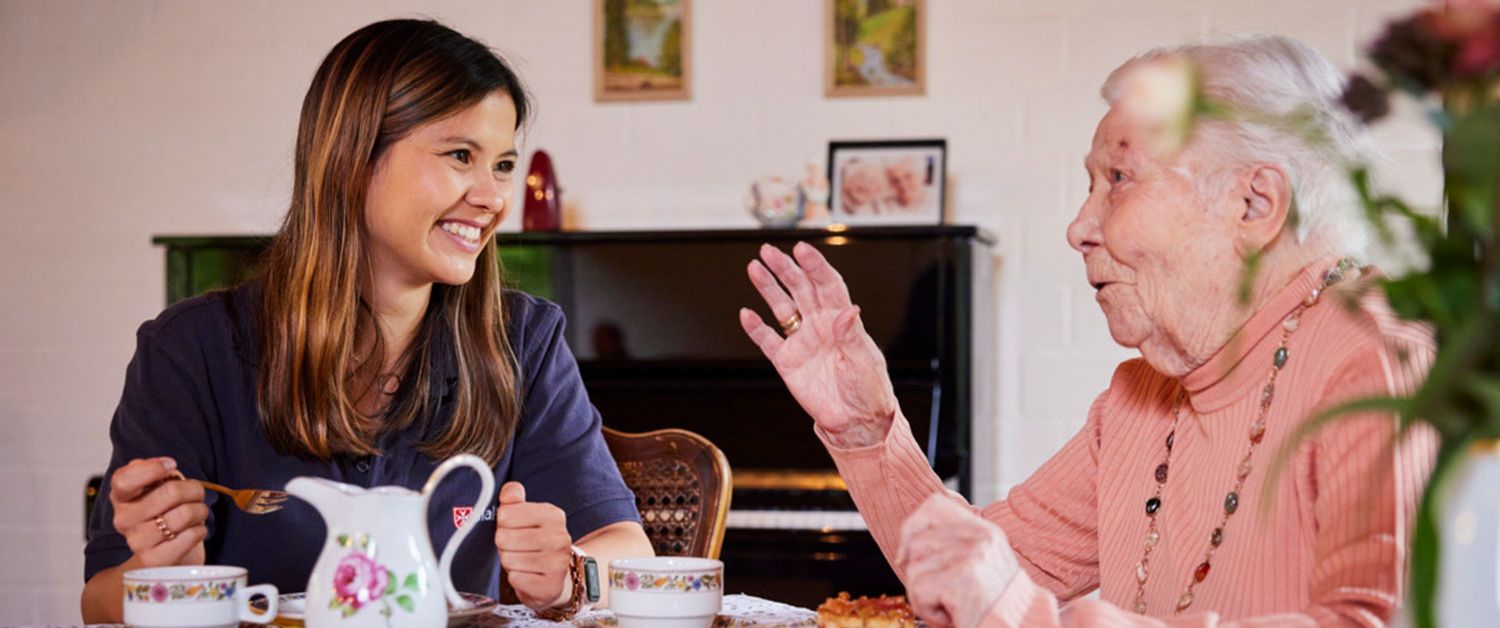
359, 580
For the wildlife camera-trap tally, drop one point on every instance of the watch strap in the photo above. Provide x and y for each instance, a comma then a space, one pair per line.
584, 574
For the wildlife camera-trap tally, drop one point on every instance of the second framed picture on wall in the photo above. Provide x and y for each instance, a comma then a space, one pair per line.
875, 48
642, 50
888, 182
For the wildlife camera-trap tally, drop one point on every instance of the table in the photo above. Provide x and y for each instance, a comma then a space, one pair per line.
740, 611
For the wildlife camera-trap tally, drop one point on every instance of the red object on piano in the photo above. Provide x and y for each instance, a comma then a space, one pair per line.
542, 209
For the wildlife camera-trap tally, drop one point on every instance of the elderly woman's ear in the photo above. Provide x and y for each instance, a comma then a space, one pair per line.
1267, 200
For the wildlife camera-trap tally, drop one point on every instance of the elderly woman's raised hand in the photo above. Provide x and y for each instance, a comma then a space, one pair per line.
954, 563
830, 365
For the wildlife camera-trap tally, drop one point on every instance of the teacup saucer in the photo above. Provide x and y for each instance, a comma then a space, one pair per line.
291, 607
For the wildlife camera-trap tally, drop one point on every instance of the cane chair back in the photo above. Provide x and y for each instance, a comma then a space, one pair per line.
682, 486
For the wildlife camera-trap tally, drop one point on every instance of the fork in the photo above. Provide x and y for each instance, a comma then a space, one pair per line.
255, 501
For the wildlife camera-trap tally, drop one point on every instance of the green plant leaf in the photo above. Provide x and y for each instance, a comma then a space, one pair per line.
1434, 301
1425, 542
410, 582
1487, 390
1402, 296
1461, 350
1380, 208
343, 540
404, 601
1247, 277
1470, 161
1397, 405
390, 582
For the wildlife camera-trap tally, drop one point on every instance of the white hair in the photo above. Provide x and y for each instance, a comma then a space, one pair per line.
1269, 78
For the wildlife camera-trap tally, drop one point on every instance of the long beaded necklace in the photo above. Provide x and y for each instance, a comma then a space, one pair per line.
1256, 434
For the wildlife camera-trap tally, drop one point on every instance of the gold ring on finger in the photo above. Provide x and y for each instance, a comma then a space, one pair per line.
791, 323
161, 524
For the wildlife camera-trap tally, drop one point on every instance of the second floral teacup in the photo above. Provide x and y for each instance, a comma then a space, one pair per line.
666, 591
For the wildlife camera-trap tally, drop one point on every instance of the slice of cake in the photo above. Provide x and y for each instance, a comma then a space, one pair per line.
882, 612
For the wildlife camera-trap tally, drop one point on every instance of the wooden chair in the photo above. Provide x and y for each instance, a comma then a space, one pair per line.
682, 486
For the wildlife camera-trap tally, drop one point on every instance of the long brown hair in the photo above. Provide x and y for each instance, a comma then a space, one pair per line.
373, 88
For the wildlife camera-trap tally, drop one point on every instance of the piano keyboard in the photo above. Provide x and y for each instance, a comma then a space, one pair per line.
820, 520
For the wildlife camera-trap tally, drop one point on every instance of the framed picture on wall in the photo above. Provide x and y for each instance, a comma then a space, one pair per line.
887, 182
642, 50
875, 48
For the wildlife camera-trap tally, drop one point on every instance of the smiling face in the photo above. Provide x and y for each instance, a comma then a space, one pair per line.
1161, 256
438, 194
906, 176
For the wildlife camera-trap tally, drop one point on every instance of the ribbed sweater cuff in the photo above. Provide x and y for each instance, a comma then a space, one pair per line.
894, 463
1022, 604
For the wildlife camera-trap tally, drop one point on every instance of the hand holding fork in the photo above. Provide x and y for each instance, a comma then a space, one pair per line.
161, 513
255, 501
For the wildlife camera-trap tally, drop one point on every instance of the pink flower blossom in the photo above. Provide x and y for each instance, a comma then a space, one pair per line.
359, 580
632, 582
1474, 28
1478, 56
159, 592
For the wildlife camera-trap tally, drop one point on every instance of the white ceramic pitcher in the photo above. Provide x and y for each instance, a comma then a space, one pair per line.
377, 568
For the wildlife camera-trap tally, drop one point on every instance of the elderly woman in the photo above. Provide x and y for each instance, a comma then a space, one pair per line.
1168, 500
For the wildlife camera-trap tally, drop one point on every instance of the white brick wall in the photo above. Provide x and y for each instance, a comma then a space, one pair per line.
120, 120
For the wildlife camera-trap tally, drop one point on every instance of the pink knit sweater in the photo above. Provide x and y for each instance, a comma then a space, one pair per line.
1329, 548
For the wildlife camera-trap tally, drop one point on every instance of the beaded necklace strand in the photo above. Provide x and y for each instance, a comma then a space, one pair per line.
1256, 434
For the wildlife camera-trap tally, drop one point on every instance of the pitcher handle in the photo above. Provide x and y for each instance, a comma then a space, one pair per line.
486, 491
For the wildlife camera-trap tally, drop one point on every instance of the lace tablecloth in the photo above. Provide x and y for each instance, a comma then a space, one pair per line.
740, 611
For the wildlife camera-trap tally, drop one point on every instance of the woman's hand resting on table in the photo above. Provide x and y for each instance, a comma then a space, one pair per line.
829, 363
161, 516
536, 551
954, 563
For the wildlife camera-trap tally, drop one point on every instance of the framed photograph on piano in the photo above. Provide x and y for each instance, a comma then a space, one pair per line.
894, 182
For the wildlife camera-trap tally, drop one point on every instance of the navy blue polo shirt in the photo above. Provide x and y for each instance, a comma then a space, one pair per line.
190, 394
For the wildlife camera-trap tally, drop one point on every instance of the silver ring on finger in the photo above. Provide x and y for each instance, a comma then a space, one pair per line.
791, 324
166, 532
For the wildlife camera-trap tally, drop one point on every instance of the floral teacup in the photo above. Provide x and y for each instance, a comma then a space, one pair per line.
178, 597
666, 592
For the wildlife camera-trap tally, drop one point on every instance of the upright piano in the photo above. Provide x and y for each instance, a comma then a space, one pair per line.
652, 318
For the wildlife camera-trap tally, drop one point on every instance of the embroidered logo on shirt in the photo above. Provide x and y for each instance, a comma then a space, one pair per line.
461, 514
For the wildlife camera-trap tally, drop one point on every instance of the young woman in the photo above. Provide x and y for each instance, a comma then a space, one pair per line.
375, 342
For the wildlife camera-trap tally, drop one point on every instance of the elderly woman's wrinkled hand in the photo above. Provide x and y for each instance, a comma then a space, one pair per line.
830, 365
955, 564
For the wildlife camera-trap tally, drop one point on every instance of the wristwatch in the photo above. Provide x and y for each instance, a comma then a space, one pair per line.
585, 576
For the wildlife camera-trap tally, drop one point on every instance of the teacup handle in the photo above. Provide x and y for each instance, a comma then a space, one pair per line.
249, 613
486, 491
